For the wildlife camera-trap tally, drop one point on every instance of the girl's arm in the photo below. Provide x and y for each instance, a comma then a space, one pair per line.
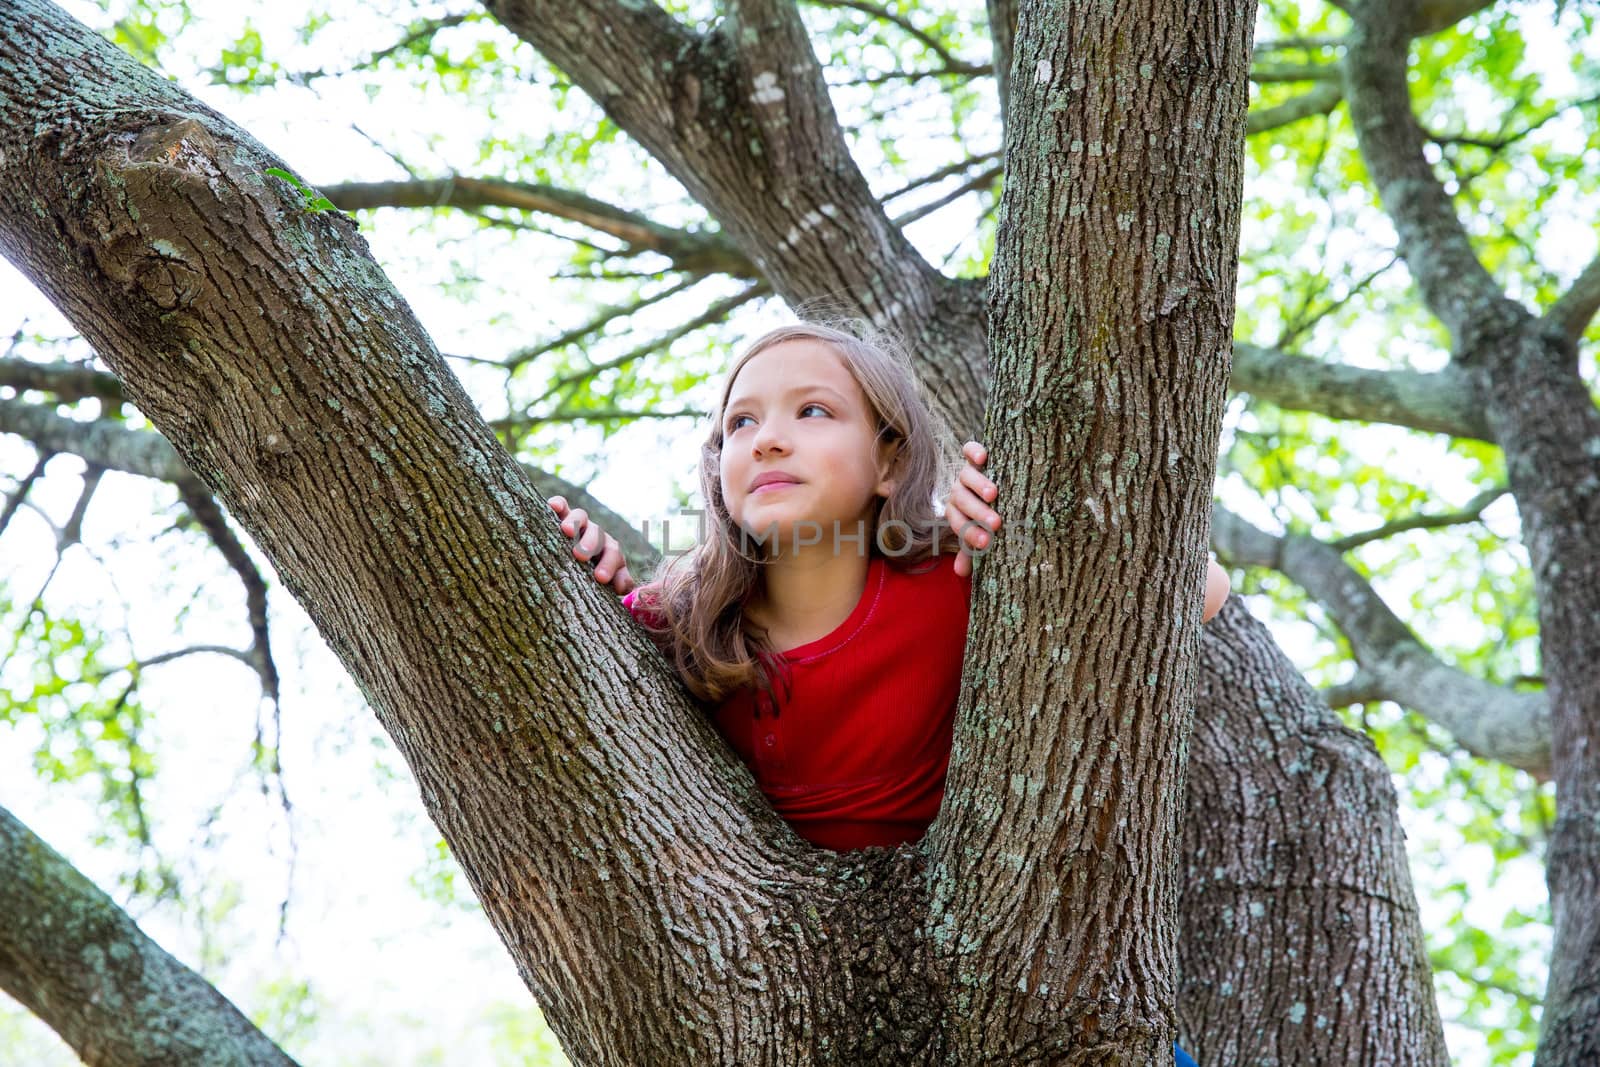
974, 522
1217, 586
593, 545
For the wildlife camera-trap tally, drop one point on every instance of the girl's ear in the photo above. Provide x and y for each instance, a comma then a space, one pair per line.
888, 463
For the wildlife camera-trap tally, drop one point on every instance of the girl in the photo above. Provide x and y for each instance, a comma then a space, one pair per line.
824, 618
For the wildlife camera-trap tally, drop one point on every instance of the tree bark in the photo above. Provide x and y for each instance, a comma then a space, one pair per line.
655, 906
72, 957
1540, 411
1277, 911
1111, 312
265, 344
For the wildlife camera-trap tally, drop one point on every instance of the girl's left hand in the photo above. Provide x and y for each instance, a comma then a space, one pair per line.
967, 511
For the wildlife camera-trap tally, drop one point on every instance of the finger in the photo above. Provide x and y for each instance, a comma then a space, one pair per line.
975, 452
590, 543
968, 531
607, 560
978, 483
623, 583
963, 564
558, 504
966, 501
574, 523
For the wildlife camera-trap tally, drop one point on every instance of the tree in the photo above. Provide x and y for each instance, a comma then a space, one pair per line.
702, 101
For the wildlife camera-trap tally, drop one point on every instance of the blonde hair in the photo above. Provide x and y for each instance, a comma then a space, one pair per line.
695, 606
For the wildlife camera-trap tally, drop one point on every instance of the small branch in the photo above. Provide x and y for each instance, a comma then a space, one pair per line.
689, 250
72, 533
203, 506
1319, 101
594, 415
1471, 513
1487, 720
606, 315
1577, 307
14, 500
909, 28
243, 657
981, 181
716, 313
940, 175
417, 31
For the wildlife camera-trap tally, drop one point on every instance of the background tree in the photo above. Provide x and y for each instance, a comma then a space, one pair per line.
1309, 287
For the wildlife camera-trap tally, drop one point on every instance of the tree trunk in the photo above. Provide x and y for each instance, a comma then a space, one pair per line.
1111, 315
1540, 411
1275, 904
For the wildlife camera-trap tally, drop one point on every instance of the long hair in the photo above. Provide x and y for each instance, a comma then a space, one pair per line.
697, 601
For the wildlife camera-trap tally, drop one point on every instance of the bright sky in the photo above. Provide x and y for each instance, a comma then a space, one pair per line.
398, 978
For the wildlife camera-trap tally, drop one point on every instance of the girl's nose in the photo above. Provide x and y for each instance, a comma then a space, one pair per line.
769, 438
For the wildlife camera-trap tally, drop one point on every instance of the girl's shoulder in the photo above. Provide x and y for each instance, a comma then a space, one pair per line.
931, 576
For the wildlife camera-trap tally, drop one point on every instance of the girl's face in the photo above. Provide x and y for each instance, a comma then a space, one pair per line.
795, 414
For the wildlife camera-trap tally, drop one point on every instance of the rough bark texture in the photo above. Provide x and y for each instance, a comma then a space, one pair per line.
72, 957
1541, 413
655, 906
268, 347
1277, 910
1111, 309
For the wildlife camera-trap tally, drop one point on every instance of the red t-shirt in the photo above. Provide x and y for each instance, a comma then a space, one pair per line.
857, 753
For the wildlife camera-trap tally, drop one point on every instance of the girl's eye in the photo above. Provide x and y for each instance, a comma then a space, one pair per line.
808, 407
733, 423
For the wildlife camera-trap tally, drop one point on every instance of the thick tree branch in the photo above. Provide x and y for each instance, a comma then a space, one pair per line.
741, 116
689, 250
78, 962
1111, 306
265, 343
1441, 402
1487, 720
1300, 845
1432, 240
1576, 308
65, 381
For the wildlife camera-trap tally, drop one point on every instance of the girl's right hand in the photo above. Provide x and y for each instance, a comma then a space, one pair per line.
594, 545
968, 511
